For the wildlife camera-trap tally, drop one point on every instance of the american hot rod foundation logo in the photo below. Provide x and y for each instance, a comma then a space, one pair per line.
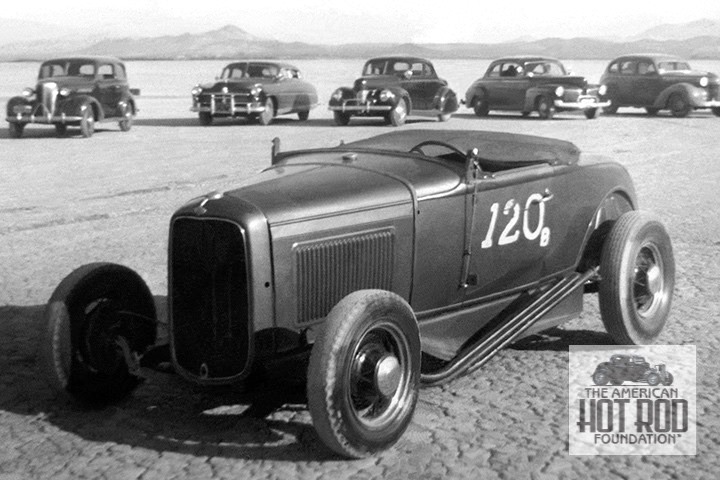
632, 400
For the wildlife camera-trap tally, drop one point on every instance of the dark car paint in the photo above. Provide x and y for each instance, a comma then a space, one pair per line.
375, 186
652, 90
108, 97
521, 92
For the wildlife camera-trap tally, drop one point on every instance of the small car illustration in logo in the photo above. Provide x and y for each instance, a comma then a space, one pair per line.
631, 368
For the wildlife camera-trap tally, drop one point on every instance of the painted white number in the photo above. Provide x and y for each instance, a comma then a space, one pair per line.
506, 237
510, 233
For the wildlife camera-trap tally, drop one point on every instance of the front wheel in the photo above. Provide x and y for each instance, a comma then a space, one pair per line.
668, 380
127, 119
61, 129
398, 114
266, 116
205, 118
304, 115
444, 117
87, 121
93, 314
590, 113
545, 108
481, 108
610, 109
15, 129
652, 111
716, 111
637, 272
341, 118
364, 373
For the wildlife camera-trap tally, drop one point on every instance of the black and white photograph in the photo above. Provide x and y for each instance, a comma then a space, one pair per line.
359, 240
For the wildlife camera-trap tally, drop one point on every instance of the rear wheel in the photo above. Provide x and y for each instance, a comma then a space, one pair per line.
679, 106
600, 378
205, 118
87, 121
638, 276
397, 116
653, 379
364, 373
341, 118
545, 108
93, 314
15, 129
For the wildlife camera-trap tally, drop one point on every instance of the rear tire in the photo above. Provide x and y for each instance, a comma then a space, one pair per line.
364, 373
545, 108
87, 314
205, 118
638, 276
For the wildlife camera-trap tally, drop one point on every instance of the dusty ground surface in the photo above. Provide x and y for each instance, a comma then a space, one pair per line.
70, 201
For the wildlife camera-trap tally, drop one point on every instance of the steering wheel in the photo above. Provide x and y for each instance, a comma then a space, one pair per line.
419, 147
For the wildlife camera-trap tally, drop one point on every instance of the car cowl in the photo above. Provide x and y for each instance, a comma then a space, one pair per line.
375, 81
235, 86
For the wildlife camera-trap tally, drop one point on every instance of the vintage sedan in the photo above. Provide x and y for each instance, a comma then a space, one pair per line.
402, 260
256, 90
393, 88
527, 84
657, 82
75, 91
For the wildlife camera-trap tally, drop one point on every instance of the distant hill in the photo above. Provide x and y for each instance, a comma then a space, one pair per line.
697, 28
233, 42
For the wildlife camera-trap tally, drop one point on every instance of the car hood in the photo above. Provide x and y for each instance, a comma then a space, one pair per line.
333, 181
376, 81
564, 80
239, 85
686, 75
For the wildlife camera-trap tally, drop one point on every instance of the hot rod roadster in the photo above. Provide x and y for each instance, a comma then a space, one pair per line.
402, 260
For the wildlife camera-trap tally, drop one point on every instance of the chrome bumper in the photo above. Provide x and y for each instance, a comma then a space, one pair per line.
46, 119
583, 103
366, 107
228, 106
709, 104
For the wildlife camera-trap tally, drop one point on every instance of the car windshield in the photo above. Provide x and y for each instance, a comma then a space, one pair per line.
250, 70
675, 65
392, 67
67, 68
544, 68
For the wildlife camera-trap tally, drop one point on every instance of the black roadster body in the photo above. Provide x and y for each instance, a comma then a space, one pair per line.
405, 259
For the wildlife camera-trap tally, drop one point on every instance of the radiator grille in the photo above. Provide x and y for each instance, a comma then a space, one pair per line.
330, 269
209, 295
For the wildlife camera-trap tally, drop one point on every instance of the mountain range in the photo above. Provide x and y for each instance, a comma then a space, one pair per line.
698, 39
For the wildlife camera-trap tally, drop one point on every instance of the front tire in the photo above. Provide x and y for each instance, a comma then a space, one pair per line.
266, 116
205, 118
341, 118
638, 276
610, 109
397, 116
444, 117
716, 111
364, 373
15, 129
87, 121
590, 113
304, 115
481, 107
86, 316
545, 108
61, 129
668, 380
127, 119
652, 111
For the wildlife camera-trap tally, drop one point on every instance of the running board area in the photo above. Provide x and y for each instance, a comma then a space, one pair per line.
506, 332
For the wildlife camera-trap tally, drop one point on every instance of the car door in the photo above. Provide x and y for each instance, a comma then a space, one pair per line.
422, 84
647, 83
514, 216
510, 87
110, 91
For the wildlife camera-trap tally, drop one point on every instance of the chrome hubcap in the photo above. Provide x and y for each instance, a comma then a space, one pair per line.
648, 281
387, 375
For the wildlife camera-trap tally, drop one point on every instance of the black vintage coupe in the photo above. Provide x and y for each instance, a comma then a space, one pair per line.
528, 84
75, 91
393, 88
256, 90
402, 260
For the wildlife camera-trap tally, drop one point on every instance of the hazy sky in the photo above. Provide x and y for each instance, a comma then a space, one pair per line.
323, 21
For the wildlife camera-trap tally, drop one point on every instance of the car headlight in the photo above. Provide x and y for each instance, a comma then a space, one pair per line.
256, 90
559, 91
602, 90
386, 95
337, 95
28, 92
704, 82
196, 90
64, 92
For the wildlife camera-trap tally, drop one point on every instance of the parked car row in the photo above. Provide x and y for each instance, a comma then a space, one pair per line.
81, 91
